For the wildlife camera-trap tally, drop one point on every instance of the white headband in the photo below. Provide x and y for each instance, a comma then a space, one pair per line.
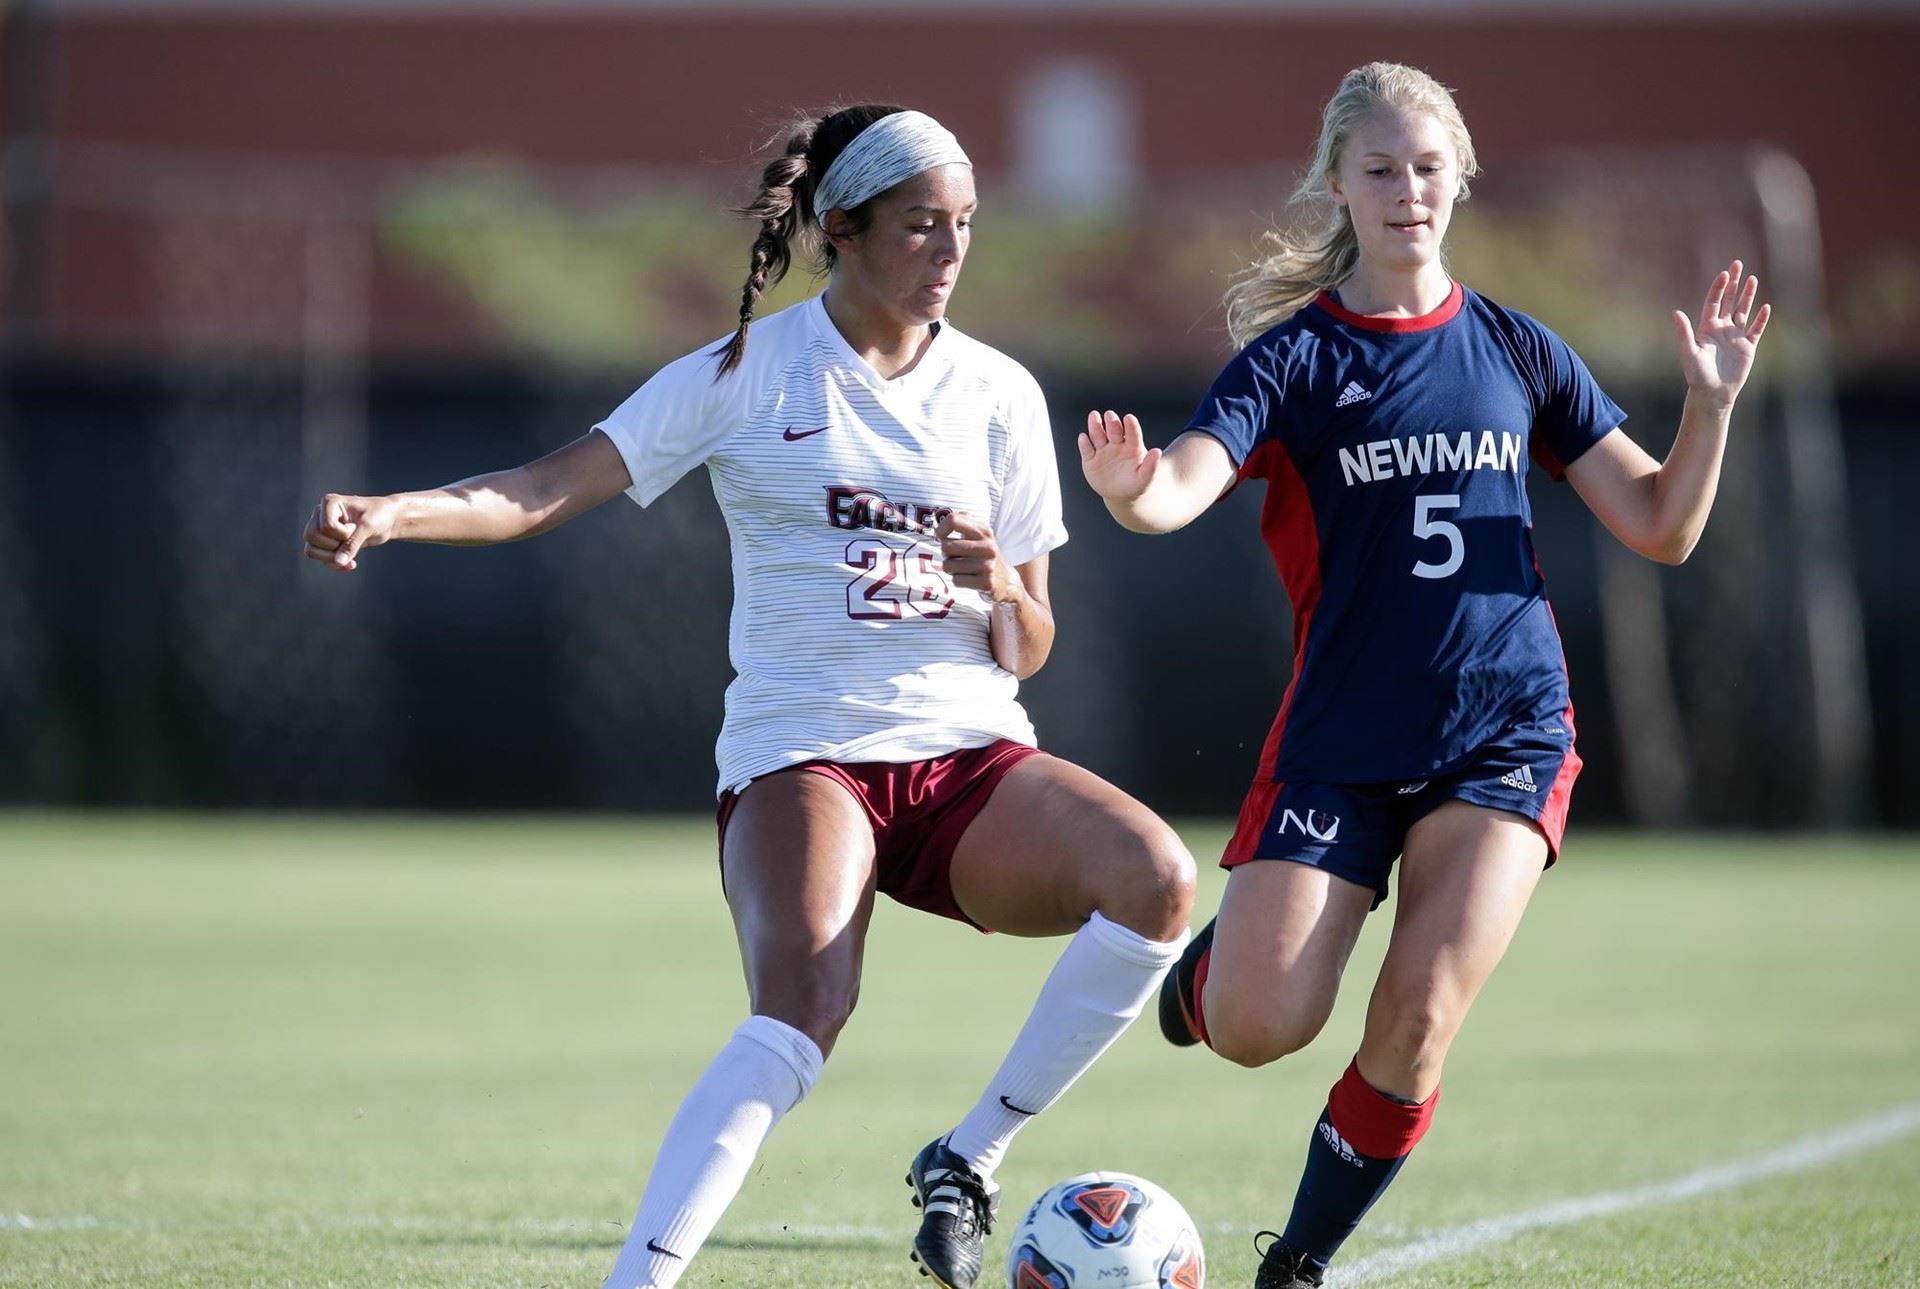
891, 150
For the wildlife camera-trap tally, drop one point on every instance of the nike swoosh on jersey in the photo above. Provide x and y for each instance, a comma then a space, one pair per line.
791, 437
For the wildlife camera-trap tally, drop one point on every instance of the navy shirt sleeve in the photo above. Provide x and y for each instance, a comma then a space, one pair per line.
1244, 407
1574, 412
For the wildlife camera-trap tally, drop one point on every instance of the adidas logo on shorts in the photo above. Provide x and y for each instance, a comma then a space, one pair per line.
1355, 392
1522, 779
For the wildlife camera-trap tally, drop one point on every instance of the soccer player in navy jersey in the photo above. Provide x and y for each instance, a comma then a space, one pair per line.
1392, 412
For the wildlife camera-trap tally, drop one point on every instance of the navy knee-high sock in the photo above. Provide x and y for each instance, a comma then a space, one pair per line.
1358, 1146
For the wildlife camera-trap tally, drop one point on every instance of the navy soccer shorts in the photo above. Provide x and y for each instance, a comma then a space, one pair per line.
1357, 830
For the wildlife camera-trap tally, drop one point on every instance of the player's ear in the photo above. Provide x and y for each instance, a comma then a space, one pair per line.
838, 228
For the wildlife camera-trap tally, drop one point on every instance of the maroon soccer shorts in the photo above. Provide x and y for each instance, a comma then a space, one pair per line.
919, 810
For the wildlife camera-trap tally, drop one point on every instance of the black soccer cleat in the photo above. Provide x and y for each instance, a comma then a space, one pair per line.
956, 1213
1282, 1267
1177, 993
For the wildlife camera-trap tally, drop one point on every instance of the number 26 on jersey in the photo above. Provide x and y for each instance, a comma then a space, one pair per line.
895, 583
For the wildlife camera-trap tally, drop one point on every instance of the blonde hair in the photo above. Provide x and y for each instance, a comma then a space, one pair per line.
1320, 257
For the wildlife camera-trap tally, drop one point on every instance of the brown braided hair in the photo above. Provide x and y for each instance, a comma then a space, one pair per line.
784, 209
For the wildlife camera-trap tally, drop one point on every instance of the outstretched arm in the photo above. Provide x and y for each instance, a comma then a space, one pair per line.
502, 507
1148, 490
1659, 509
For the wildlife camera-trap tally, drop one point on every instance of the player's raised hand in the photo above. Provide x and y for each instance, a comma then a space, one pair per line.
970, 557
341, 527
1716, 353
1115, 457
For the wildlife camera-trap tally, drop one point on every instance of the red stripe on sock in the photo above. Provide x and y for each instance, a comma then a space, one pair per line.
1373, 1123
1200, 970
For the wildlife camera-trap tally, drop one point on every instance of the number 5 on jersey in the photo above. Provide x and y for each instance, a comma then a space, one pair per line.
1426, 526
891, 581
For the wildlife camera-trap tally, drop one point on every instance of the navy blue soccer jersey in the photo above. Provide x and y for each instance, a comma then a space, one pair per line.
1395, 453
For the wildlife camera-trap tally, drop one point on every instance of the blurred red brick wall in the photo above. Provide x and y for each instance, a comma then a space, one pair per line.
1837, 93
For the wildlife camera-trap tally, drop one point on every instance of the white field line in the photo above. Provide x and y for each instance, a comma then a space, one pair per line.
22, 1222
1808, 1153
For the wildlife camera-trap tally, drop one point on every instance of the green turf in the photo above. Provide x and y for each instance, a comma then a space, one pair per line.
433, 1052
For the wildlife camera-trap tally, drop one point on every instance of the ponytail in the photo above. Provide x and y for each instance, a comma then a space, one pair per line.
1295, 271
784, 207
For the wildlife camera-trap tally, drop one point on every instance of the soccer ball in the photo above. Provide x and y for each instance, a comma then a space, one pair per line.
1106, 1231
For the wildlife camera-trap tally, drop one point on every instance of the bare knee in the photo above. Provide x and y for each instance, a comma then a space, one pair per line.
1257, 1044
1148, 885
1251, 1033
818, 1004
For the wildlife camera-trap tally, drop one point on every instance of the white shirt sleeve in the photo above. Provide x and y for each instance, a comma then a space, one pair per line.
676, 420
1029, 523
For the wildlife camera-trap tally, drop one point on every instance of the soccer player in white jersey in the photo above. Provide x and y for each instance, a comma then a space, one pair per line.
890, 489
1391, 412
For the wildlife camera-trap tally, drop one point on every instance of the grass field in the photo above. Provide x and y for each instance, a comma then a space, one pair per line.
436, 1052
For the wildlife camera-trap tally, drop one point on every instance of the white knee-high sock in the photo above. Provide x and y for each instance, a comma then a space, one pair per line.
762, 1072
1098, 987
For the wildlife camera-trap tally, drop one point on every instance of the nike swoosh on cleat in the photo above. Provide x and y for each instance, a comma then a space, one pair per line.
1016, 1109
654, 1248
791, 437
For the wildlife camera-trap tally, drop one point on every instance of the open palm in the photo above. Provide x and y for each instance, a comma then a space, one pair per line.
1716, 352
1115, 458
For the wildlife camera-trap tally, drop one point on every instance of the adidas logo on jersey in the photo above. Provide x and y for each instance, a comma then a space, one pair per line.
1355, 392
1522, 779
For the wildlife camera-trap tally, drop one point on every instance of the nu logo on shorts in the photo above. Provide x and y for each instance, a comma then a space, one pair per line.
1317, 824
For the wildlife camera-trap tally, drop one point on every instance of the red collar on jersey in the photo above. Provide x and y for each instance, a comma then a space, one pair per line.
1425, 322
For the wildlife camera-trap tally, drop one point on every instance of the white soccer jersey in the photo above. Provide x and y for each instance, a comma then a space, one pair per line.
848, 641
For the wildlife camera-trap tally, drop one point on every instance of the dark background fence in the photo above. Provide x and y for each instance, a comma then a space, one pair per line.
252, 252
181, 654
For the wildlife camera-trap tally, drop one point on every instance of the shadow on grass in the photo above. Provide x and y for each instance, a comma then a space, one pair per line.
614, 1236
808, 1242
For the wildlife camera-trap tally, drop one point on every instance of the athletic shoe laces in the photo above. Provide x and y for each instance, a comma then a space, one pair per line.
1282, 1267
959, 1192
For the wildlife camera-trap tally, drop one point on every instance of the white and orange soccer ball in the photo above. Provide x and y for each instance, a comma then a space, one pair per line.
1106, 1230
